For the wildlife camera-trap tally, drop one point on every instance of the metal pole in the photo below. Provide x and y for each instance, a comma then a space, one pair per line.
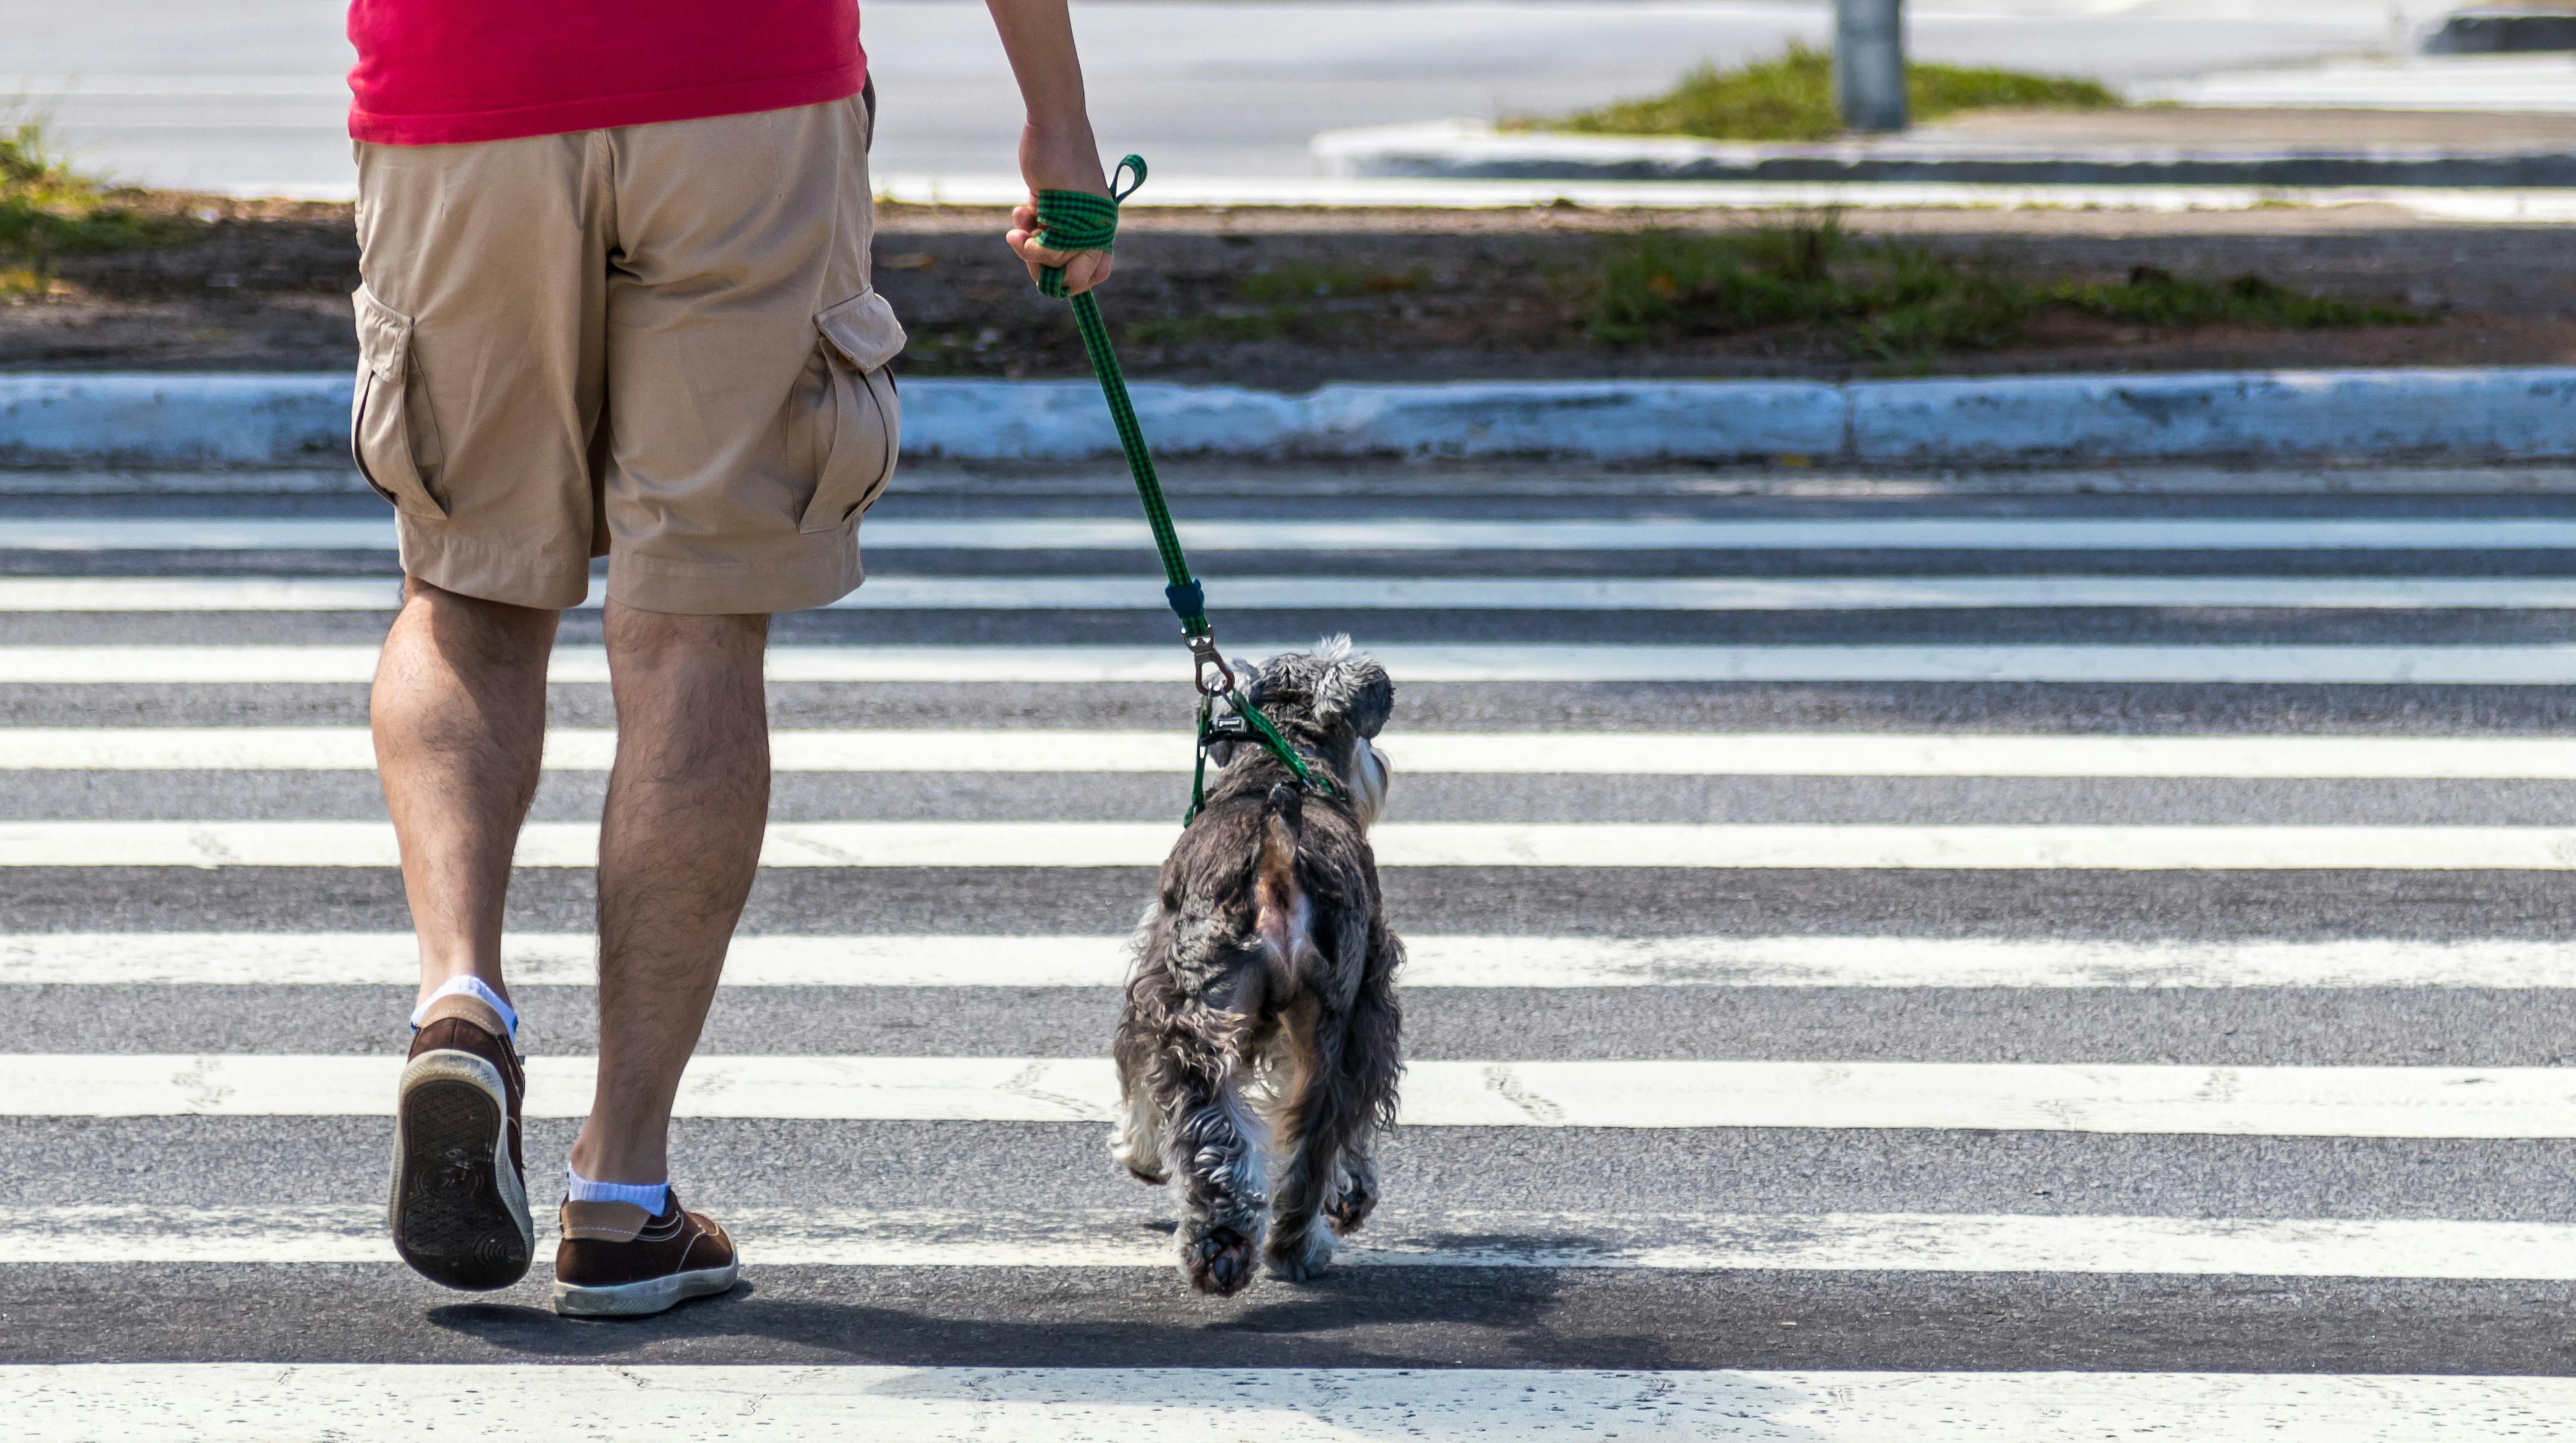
1869, 63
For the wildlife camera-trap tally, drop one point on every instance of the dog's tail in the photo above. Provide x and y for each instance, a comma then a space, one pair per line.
1281, 818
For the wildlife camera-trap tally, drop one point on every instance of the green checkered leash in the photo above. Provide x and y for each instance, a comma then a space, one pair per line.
1075, 220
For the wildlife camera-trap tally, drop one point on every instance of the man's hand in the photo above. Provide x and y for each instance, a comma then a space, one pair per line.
1056, 148
1058, 160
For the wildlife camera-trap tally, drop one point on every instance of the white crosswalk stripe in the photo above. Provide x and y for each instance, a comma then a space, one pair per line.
1680, 1242
1407, 844
2538, 664
1374, 593
1741, 754
2323, 532
255, 1403
2284, 1092
2415, 1102
391, 959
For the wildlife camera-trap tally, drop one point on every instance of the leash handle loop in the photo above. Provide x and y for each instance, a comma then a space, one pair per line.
1077, 220
1127, 163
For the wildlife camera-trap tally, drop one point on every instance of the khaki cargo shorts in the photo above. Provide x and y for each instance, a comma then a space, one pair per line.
655, 343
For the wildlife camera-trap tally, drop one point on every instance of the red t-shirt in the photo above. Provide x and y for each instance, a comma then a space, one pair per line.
440, 72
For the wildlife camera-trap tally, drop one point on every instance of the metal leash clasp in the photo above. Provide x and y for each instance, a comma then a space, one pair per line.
1214, 677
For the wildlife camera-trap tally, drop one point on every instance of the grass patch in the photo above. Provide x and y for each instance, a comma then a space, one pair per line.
1792, 98
48, 210
1906, 303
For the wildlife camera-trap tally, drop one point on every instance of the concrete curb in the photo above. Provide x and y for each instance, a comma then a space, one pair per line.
2490, 415
233, 419
2457, 415
1467, 150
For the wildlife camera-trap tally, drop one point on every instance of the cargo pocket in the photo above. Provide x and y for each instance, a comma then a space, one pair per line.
860, 421
392, 434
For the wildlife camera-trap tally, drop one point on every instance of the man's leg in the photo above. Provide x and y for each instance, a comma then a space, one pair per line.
460, 720
679, 844
747, 428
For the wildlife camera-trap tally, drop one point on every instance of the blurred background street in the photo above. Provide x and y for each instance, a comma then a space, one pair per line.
246, 95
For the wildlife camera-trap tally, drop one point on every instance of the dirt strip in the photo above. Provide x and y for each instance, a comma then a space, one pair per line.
1289, 299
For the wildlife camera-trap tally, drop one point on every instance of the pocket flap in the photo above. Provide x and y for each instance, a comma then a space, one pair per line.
863, 328
384, 335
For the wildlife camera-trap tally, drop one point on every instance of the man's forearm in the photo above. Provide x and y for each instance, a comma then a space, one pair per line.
1057, 151
1037, 35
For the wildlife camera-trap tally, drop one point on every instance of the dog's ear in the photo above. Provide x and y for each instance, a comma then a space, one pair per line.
1355, 691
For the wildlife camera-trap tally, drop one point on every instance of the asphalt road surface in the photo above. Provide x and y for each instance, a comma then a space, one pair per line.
247, 95
1888, 959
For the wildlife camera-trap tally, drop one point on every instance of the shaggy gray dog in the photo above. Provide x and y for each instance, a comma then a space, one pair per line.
1259, 1049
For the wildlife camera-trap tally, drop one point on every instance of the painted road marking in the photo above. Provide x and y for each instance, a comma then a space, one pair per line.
1918, 533
535, 959
262, 1402
1806, 1242
2417, 1102
2538, 665
1808, 754
1417, 844
1368, 593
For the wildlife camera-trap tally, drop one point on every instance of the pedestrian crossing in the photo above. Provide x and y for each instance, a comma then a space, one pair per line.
1291, 1405
1652, 845
1666, 1242
1928, 1004
1362, 594
1734, 754
2321, 530
566, 959
2397, 1102
2548, 664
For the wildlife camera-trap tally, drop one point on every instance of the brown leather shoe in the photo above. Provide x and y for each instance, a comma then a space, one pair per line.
616, 1262
460, 1195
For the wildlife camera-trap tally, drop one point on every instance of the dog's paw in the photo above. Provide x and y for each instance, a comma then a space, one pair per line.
1217, 1261
1303, 1258
1352, 1202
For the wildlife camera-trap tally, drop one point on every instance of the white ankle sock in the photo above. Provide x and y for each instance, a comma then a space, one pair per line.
472, 986
652, 1197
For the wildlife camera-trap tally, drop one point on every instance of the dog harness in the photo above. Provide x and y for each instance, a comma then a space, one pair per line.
1074, 220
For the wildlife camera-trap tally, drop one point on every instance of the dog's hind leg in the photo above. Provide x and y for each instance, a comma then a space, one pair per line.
1190, 1051
1182, 1049
1218, 1150
1313, 1130
1327, 1172
1349, 1059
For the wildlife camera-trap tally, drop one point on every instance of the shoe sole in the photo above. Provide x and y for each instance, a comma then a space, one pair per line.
645, 1296
460, 1211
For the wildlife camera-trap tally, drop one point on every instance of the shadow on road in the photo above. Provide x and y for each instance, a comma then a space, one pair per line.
1358, 1318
